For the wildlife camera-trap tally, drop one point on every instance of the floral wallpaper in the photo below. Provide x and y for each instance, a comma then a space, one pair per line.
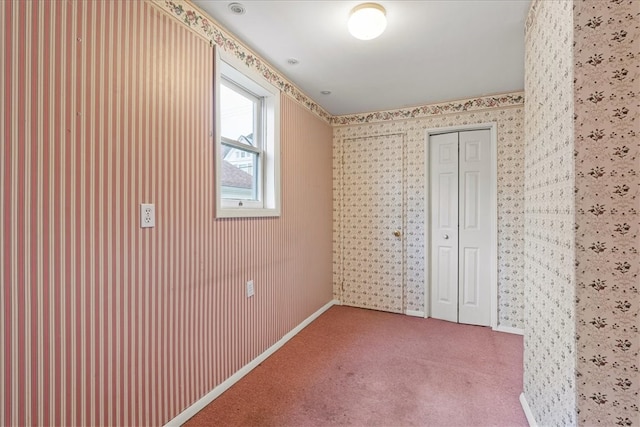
510, 200
549, 340
607, 153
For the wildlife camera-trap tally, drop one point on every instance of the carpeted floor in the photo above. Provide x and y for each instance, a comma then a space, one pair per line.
368, 368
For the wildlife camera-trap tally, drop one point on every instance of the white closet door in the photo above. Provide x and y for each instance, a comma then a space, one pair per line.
461, 231
372, 249
444, 226
474, 238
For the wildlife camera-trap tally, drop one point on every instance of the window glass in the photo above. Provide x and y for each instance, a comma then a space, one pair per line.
239, 174
237, 114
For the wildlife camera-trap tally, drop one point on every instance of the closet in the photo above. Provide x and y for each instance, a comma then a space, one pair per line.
461, 226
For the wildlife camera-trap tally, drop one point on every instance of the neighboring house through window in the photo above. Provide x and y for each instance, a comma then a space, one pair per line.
247, 110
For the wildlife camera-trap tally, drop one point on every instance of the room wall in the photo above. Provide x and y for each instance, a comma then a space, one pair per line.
107, 105
606, 52
507, 112
581, 332
549, 344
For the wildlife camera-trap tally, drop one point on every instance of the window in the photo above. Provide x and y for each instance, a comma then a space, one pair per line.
247, 143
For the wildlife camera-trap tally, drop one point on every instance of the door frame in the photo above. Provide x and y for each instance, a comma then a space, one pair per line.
493, 128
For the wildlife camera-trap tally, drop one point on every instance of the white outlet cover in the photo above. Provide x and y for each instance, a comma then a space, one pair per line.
147, 215
250, 289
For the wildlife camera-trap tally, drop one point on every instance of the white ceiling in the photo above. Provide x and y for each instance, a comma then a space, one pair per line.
432, 51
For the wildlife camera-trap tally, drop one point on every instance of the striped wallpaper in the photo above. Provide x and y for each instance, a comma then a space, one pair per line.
107, 105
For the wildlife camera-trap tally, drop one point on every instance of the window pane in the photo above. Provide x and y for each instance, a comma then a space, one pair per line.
236, 115
239, 172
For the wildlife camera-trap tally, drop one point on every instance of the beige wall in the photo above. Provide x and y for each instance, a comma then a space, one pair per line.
607, 232
107, 105
582, 335
549, 353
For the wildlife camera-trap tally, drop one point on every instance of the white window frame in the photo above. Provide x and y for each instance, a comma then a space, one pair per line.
267, 146
256, 148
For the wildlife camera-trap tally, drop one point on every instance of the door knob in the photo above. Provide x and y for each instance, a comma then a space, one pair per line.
446, 236
397, 233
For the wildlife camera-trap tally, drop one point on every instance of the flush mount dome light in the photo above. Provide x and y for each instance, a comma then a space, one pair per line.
367, 21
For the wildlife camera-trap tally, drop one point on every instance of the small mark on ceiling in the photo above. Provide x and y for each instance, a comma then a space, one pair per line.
237, 8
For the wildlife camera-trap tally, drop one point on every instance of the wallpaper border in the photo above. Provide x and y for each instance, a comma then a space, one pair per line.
514, 99
531, 16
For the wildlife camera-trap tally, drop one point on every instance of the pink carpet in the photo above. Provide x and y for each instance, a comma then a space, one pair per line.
368, 368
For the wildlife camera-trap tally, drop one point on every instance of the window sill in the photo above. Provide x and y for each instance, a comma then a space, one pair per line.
247, 213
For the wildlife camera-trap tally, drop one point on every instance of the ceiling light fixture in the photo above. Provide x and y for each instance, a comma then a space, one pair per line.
367, 21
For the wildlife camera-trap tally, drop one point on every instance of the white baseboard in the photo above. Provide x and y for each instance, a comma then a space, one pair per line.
527, 411
414, 313
509, 330
217, 391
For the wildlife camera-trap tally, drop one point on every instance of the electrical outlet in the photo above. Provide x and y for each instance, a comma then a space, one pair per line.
250, 289
147, 215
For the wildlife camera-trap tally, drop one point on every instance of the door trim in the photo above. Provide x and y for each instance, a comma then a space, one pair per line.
493, 128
